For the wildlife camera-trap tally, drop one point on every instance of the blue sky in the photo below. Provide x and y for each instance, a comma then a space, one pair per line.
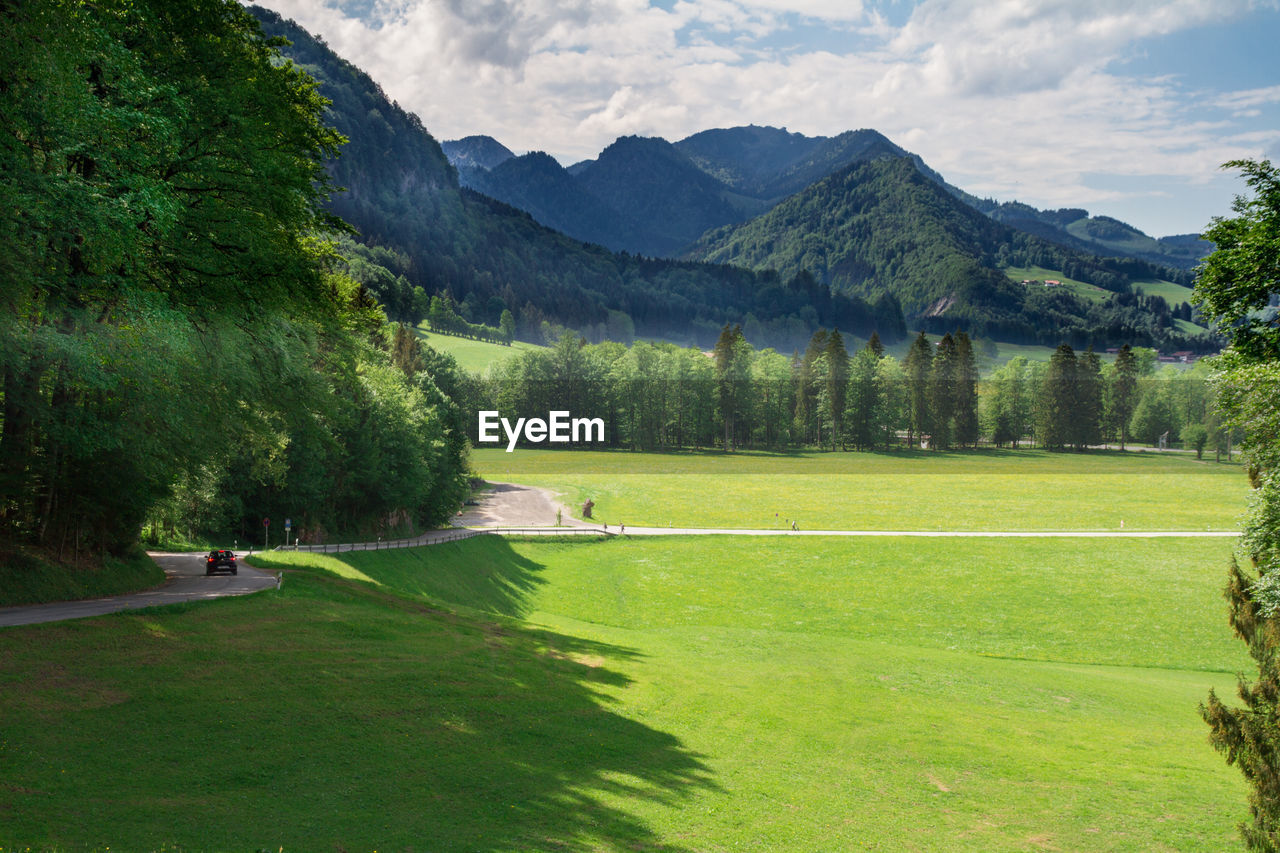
1124, 107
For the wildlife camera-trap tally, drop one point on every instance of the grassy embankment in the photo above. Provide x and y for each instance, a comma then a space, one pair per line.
26, 578
666, 694
901, 490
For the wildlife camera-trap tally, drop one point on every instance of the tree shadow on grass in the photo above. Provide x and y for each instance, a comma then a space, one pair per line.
337, 716
482, 573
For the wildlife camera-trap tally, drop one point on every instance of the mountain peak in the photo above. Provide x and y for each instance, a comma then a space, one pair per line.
476, 152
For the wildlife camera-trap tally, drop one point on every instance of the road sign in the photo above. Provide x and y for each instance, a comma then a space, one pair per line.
288, 522
266, 522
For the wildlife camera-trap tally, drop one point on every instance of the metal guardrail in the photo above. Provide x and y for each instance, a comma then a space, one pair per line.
436, 537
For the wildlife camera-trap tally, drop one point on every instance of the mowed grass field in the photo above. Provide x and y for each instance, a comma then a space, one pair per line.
1018, 490
673, 694
473, 356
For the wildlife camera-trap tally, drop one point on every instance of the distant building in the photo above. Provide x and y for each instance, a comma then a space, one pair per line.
1052, 282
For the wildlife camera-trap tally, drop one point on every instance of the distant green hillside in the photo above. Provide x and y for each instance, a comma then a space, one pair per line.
1099, 235
883, 226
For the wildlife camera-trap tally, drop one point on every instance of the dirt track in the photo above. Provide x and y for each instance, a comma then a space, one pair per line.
511, 505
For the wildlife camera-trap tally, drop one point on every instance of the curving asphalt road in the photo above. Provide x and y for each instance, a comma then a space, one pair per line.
185, 580
504, 507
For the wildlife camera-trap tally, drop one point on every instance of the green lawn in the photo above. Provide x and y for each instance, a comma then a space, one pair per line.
1174, 294
901, 490
698, 694
473, 356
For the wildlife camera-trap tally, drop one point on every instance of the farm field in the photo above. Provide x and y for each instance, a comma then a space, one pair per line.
1079, 288
899, 490
473, 356
670, 694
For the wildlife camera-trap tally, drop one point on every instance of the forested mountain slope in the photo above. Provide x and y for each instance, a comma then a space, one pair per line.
883, 225
401, 192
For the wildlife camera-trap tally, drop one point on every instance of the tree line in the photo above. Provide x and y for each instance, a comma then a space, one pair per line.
656, 396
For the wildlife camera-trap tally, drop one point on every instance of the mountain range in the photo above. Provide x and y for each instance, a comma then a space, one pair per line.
751, 169
849, 231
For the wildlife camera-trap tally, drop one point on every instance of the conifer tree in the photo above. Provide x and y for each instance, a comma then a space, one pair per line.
966, 392
943, 375
1055, 418
1087, 410
837, 384
1124, 392
917, 364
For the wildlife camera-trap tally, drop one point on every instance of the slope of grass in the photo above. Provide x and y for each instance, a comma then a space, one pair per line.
900, 490
1174, 294
673, 695
473, 356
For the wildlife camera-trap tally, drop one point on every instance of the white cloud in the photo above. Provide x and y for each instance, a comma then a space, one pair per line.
1011, 98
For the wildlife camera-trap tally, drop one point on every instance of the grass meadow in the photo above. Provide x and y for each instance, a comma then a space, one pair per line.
1019, 490
473, 356
669, 694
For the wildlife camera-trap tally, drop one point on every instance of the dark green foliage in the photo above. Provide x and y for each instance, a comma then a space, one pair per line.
1237, 284
178, 344
837, 384
1087, 412
162, 178
1124, 388
917, 365
966, 393
1056, 424
944, 378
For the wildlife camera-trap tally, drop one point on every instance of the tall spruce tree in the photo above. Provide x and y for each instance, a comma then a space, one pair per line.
837, 384
1056, 415
864, 403
919, 417
1087, 412
1124, 392
943, 375
966, 392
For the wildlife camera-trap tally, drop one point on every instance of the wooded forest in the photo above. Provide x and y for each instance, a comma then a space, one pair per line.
180, 338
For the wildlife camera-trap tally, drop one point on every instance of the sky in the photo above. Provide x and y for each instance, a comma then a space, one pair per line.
1127, 108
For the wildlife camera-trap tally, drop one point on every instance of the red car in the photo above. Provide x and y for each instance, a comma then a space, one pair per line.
218, 560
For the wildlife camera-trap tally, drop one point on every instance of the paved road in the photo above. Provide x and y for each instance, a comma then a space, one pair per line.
185, 581
1011, 534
